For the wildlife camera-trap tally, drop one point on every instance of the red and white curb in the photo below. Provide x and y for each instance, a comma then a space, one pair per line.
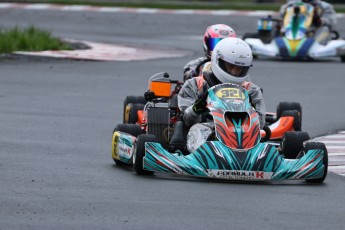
30, 6
335, 145
109, 52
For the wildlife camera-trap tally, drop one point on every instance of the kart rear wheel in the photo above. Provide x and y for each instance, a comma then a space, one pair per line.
133, 100
139, 153
318, 145
286, 106
131, 113
342, 58
132, 129
292, 143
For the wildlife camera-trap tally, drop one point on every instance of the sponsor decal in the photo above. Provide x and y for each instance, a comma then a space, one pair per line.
224, 32
285, 122
239, 174
219, 55
240, 63
206, 67
238, 102
123, 147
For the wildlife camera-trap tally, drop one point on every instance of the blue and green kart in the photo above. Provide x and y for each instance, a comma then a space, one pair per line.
231, 146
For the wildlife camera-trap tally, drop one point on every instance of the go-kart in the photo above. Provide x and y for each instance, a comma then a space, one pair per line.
163, 90
294, 37
229, 145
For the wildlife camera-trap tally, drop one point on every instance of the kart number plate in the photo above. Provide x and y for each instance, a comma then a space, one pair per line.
230, 93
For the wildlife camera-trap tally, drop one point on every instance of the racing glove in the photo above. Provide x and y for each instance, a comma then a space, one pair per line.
199, 105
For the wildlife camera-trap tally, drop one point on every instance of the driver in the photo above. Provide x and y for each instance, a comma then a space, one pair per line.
213, 35
230, 62
324, 18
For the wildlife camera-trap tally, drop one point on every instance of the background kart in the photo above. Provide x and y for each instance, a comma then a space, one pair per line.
236, 154
294, 37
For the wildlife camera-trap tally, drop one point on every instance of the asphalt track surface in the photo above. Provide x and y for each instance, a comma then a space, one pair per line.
57, 118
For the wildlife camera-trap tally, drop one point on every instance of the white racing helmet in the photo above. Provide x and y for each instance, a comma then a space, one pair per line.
231, 60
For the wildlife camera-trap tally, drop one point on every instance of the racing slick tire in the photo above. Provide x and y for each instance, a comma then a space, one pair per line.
132, 129
131, 113
285, 106
132, 100
288, 106
292, 143
318, 145
342, 58
139, 153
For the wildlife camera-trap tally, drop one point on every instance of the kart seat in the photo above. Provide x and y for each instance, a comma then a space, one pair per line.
173, 102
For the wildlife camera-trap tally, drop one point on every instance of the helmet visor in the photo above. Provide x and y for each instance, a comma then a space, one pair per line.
232, 69
212, 42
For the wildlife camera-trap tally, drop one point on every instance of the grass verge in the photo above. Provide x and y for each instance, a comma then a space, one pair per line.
217, 5
179, 4
29, 39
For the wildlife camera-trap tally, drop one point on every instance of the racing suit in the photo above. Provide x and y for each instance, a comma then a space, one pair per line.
193, 88
193, 68
324, 19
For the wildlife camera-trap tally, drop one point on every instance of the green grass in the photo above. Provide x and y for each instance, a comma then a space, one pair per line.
179, 4
29, 39
194, 4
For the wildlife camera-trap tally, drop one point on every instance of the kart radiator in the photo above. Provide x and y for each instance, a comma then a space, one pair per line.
158, 122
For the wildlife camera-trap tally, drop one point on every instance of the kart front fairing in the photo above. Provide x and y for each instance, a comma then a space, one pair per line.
237, 152
236, 122
215, 160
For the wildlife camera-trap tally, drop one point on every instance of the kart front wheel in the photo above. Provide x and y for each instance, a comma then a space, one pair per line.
131, 129
321, 146
139, 153
292, 143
